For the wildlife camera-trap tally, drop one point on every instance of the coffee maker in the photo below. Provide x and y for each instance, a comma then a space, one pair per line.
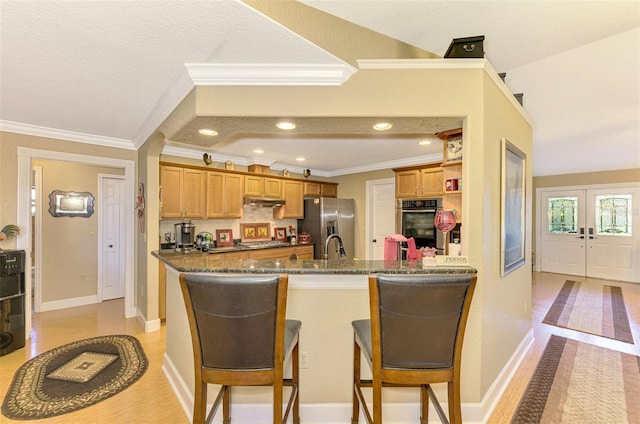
185, 235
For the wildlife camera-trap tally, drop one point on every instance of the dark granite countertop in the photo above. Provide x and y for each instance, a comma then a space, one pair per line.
196, 261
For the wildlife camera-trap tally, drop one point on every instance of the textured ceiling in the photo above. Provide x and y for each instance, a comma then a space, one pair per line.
102, 71
331, 145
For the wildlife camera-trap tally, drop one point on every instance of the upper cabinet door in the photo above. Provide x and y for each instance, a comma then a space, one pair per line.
253, 185
407, 183
194, 192
272, 187
431, 181
182, 193
234, 201
311, 189
329, 190
170, 192
215, 195
224, 195
294, 206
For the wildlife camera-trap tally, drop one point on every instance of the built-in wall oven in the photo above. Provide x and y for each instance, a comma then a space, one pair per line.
416, 218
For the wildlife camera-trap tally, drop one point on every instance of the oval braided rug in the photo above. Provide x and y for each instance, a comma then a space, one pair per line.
74, 376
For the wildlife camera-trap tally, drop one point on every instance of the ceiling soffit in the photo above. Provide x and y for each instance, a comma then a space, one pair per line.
329, 32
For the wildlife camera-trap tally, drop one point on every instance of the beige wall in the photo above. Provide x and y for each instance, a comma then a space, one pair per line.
354, 187
582, 179
497, 322
70, 244
9, 143
504, 319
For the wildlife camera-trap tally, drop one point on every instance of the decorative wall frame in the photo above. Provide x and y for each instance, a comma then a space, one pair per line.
280, 233
512, 216
224, 238
255, 232
70, 203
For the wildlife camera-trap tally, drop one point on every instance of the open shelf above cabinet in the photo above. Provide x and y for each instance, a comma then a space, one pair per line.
452, 154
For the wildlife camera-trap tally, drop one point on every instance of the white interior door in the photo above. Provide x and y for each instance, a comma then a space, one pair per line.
591, 232
112, 255
381, 215
612, 234
563, 232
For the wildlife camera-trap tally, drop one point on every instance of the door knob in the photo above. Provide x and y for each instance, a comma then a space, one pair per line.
111, 245
374, 240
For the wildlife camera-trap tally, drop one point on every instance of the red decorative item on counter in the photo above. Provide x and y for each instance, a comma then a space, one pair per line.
304, 238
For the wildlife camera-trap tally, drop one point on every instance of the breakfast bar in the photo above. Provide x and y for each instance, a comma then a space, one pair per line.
326, 295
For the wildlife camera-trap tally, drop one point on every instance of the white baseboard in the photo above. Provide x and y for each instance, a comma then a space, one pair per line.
68, 303
179, 387
497, 389
150, 325
321, 413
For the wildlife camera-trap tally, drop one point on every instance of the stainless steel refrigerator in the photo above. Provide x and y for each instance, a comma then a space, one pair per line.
324, 216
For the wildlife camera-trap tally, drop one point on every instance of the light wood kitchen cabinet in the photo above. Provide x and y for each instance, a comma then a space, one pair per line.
279, 253
224, 195
182, 192
294, 205
240, 254
255, 185
329, 190
419, 182
304, 251
301, 252
313, 188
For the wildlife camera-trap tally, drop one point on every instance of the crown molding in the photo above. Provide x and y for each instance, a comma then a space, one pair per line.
448, 64
238, 74
34, 130
269, 73
197, 154
422, 63
415, 160
179, 88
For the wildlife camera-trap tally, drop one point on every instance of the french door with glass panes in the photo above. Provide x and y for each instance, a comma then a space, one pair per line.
593, 233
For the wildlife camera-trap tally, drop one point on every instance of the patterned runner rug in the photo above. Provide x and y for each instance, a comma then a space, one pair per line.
74, 376
580, 383
591, 308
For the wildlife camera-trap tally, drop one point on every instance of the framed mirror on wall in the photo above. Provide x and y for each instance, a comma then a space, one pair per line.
70, 203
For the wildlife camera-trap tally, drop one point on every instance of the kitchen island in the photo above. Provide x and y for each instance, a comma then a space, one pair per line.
326, 296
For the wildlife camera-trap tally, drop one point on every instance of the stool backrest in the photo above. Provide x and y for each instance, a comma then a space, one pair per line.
235, 318
421, 318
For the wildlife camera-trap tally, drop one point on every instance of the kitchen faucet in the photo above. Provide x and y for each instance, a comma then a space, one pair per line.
326, 246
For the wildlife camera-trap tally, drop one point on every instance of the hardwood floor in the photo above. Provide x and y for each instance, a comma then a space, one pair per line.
151, 399
544, 291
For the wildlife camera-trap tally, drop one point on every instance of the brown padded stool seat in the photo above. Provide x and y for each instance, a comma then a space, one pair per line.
240, 337
413, 339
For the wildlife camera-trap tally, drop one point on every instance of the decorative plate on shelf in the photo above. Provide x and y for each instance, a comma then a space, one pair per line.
454, 149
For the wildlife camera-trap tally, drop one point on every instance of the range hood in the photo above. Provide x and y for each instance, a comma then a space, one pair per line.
263, 202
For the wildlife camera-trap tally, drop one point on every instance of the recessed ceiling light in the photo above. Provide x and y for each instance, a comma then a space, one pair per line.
208, 132
382, 126
286, 125
424, 142
258, 151
300, 159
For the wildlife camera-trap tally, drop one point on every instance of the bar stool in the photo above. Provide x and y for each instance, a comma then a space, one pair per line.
413, 339
240, 337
